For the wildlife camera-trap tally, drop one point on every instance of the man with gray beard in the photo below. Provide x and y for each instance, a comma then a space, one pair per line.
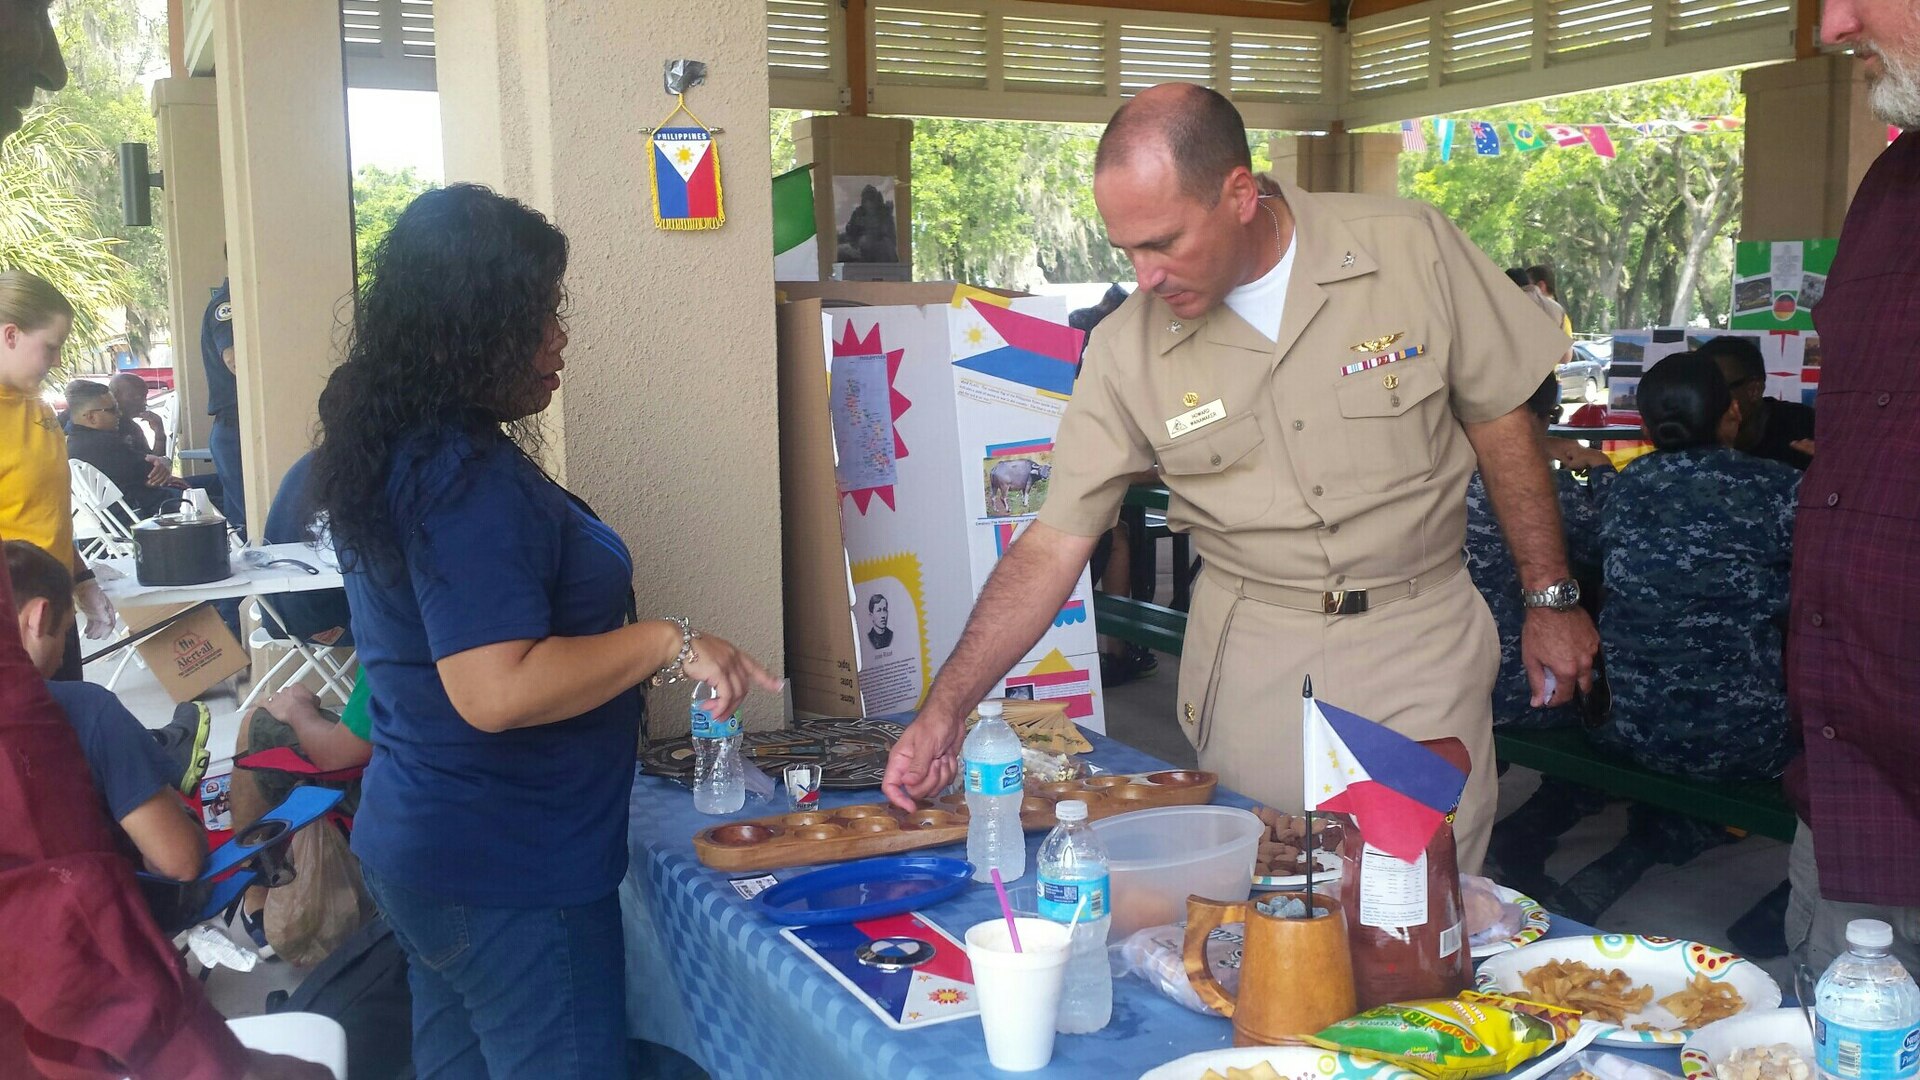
1854, 635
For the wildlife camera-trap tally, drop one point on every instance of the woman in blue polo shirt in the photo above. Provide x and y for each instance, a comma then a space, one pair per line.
493, 615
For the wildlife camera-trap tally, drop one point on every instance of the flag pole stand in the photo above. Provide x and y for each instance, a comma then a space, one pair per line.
1306, 695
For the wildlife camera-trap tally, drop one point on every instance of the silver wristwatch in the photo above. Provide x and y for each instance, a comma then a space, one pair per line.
1562, 595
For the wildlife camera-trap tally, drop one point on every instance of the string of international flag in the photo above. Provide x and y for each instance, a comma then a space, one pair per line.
1488, 138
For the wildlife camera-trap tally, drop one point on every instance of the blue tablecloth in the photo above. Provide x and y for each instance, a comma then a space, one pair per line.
711, 978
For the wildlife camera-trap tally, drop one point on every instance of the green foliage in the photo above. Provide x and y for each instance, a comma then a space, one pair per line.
48, 227
378, 197
1645, 238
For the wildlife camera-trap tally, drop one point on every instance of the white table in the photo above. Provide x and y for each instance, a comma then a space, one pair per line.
257, 582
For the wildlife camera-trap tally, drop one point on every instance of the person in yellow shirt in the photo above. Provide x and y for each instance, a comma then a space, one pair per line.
36, 501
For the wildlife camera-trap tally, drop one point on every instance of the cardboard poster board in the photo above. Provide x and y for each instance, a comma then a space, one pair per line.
1776, 284
921, 454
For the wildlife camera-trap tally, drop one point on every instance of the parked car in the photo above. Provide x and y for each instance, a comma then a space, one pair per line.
1584, 376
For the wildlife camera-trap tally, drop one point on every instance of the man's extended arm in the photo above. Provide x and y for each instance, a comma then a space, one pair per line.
1521, 488
1019, 602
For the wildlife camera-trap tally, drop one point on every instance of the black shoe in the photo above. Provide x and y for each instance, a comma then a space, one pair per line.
1588, 894
1761, 933
1114, 670
1143, 660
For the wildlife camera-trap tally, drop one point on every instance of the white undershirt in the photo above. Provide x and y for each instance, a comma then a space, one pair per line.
1264, 301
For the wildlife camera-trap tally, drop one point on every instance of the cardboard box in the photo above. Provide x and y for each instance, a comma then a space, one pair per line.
193, 654
916, 436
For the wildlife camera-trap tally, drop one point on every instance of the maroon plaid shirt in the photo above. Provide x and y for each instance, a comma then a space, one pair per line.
1854, 653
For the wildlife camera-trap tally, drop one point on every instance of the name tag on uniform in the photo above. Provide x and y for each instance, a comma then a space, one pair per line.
1194, 419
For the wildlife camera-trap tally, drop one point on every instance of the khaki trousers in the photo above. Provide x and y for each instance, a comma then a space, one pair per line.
1817, 927
1423, 665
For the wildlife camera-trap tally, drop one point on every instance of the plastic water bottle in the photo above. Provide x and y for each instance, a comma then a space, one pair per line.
1867, 1011
995, 786
719, 783
1073, 874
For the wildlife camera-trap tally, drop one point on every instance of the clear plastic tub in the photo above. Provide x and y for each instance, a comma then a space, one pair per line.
1160, 857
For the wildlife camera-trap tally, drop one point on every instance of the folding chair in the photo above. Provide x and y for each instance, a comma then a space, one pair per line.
256, 854
102, 520
331, 663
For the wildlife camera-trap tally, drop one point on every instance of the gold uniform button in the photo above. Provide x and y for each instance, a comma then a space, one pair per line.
1214, 460
1335, 529
1391, 382
1317, 490
1190, 399
1298, 424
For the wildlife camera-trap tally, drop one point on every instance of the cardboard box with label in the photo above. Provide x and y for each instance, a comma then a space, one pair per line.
916, 442
192, 654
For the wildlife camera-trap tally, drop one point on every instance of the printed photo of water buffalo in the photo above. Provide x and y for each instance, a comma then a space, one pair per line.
1017, 483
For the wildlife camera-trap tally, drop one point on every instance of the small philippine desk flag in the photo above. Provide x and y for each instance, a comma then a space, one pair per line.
686, 174
1397, 791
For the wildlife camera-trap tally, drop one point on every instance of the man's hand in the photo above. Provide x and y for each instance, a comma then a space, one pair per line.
93, 604
1805, 446
158, 469
264, 1066
1577, 456
925, 760
1563, 642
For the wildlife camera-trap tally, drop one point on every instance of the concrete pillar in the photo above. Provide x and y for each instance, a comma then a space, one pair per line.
1366, 163
666, 423
188, 131
289, 205
856, 146
1810, 138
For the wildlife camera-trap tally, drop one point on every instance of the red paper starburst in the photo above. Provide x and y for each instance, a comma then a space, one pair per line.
851, 344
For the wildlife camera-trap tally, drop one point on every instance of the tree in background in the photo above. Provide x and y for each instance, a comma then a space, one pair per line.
378, 197
1642, 239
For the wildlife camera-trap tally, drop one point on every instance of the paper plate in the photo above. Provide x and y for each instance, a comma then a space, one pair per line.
1719, 1040
1292, 1062
1534, 924
1663, 963
1327, 868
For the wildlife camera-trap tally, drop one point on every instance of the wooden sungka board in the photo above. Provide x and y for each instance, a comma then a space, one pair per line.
870, 829
852, 749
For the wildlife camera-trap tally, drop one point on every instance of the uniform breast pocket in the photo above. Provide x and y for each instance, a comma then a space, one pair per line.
1390, 416
1218, 476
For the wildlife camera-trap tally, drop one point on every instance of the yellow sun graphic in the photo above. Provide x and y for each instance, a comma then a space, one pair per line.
975, 335
685, 155
948, 996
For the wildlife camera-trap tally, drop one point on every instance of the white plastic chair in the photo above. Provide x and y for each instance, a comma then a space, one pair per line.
100, 513
332, 663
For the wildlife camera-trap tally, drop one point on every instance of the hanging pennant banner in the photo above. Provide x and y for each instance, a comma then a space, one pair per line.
1444, 128
1598, 138
1565, 134
1525, 138
686, 175
1486, 138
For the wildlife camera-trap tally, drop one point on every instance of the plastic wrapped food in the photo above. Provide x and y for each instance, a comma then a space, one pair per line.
1458, 1038
1594, 1065
1489, 918
1156, 954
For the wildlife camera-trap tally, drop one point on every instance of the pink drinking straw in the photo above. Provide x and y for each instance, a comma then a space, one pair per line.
1000, 889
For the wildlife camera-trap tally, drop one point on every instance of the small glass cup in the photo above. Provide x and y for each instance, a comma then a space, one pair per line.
803, 786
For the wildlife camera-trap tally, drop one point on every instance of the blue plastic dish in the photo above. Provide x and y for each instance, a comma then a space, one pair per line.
868, 889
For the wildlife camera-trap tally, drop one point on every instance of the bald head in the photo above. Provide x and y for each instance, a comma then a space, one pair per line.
130, 391
1198, 130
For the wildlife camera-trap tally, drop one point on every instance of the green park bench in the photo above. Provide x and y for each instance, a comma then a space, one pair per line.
1565, 753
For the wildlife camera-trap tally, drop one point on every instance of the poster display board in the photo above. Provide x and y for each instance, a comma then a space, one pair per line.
942, 417
1777, 283
1792, 359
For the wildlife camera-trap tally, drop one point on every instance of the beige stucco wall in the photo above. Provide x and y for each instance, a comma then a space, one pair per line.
666, 420
187, 130
1367, 163
1810, 138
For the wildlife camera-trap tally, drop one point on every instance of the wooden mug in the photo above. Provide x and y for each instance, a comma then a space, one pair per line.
1296, 975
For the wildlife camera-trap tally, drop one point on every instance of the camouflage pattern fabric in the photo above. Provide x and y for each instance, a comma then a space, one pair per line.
1491, 566
1698, 547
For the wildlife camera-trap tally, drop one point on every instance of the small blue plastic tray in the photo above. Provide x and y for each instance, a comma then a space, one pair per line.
868, 889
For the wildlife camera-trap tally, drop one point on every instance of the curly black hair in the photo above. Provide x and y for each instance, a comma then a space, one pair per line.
461, 294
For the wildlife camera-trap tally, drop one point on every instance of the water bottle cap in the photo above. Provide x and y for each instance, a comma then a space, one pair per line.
1070, 810
991, 710
1869, 934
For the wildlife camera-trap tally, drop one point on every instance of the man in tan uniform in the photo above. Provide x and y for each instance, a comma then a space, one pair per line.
1317, 376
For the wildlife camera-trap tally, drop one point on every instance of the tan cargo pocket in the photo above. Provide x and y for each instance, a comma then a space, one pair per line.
1217, 476
1391, 429
1202, 658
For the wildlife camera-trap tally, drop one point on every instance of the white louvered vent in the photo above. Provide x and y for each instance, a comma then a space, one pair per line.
1275, 67
361, 26
943, 48
1053, 55
1591, 27
1385, 57
1700, 18
1158, 54
416, 29
800, 38
1486, 39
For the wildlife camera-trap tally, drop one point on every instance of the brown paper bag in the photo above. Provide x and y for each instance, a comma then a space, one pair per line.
324, 904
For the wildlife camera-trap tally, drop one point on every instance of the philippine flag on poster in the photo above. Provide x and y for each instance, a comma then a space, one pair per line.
684, 174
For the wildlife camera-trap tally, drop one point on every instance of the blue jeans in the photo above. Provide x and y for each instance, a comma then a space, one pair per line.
224, 443
511, 992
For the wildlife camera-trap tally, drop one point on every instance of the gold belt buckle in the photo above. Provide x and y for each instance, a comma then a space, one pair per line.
1344, 601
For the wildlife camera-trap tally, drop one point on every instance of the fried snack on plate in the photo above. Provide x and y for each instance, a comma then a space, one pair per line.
1703, 1002
1601, 995
1262, 1071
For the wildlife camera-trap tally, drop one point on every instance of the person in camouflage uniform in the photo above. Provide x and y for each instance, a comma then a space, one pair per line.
1698, 541
1491, 564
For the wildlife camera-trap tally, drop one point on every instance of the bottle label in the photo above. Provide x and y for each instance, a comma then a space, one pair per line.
1058, 899
710, 727
995, 778
1865, 1053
